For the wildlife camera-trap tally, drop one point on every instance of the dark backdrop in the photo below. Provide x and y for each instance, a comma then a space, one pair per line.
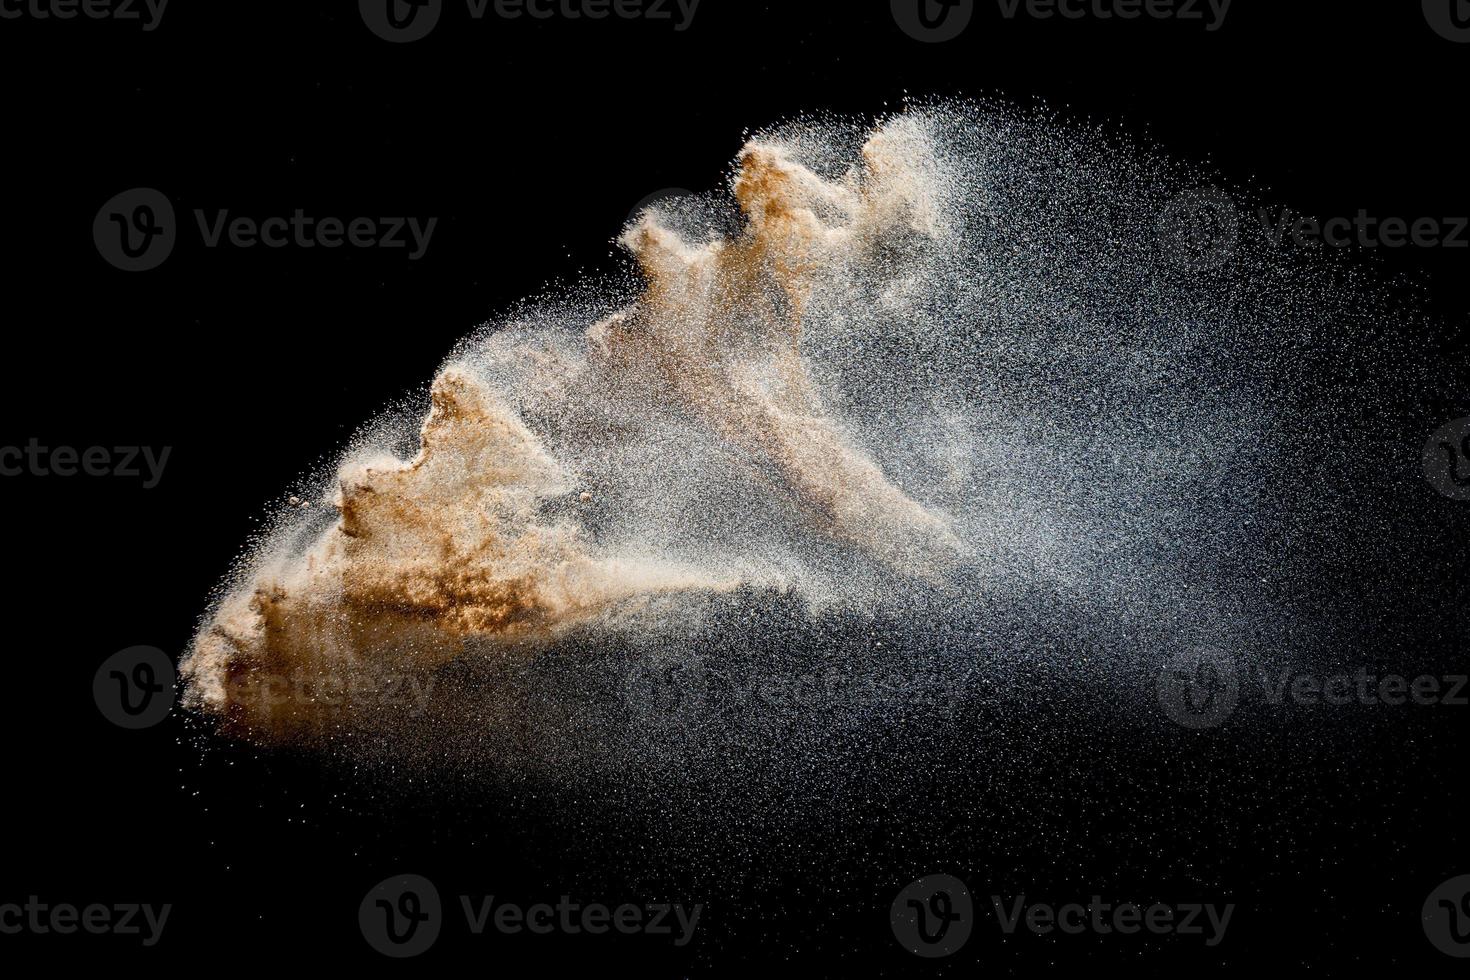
530, 142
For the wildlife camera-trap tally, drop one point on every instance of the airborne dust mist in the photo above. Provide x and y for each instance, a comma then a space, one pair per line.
909, 427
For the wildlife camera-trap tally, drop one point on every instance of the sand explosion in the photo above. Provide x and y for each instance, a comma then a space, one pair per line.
465, 544
947, 374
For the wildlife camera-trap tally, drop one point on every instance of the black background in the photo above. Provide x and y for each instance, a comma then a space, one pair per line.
531, 142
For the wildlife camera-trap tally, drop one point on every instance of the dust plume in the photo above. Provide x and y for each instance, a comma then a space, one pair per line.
944, 375
457, 546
